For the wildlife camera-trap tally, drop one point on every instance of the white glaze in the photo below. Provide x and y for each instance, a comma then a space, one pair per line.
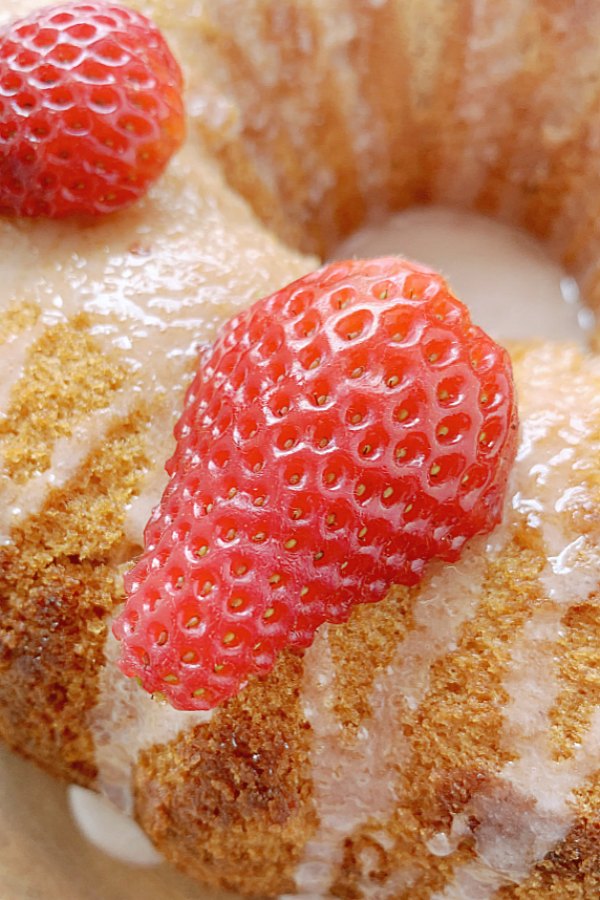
187, 246
110, 830
68, 455
509, 841
544, 485
371, 762
368, 764
511, 838
512, 287
449, 597
126, 721
155, 281
472, 881
558, 411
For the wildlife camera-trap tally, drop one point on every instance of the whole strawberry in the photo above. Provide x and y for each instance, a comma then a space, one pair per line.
90, 110
341, 433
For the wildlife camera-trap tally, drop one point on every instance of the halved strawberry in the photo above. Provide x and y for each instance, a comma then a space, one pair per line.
342, 432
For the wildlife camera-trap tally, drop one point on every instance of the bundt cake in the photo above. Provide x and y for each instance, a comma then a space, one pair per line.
444, 742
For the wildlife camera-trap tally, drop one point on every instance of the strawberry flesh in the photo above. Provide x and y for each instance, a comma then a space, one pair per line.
340, 434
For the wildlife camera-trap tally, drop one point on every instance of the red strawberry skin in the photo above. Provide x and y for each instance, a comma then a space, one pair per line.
341, 433
90, 110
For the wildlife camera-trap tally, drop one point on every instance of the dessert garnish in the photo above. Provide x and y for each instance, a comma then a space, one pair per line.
91, 110
340, 433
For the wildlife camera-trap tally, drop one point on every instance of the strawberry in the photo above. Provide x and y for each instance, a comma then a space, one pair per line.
340, 434
90, 110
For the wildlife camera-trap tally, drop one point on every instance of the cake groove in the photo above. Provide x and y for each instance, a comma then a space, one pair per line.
411, 101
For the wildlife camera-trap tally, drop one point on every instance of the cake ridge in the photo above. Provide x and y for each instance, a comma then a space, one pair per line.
236, 800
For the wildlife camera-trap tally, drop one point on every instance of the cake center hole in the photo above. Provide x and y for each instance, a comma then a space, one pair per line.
514, 290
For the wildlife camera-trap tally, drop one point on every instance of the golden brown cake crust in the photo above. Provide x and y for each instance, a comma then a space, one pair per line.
456, 742
239, 787
230, 802
238, 802
406, 103
56, 592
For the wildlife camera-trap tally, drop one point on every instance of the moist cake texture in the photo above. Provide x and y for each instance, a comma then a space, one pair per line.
443, 744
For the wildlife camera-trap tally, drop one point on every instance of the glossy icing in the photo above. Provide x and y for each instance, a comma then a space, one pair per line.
512, 287
559, 447
113, 832
155, 283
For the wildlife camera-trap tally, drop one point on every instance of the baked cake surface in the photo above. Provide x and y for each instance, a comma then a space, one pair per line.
444, 743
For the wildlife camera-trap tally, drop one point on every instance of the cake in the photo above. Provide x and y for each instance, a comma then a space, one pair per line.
442, 743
